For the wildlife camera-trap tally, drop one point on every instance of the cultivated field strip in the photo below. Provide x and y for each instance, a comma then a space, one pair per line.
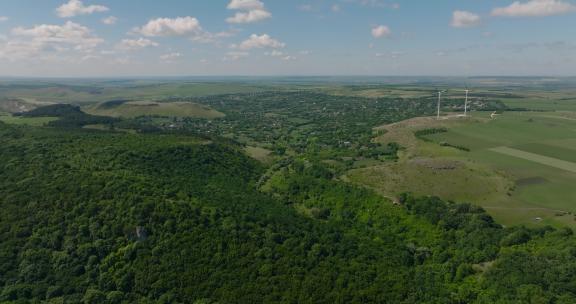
537, 158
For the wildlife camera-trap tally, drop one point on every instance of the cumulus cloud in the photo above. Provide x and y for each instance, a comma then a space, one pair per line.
259, 42
249, 16
110, 20
381, 31
136, 44
25, 43
70, 33
181, 26
250, 11
4, 18
245, 4
535, 8
464, 19
76, 7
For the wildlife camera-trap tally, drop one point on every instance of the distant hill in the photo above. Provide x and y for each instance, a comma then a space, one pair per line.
69, 116
56, 110
128, 109
15, 105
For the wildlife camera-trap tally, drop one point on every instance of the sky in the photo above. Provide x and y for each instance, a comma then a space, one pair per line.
107, 38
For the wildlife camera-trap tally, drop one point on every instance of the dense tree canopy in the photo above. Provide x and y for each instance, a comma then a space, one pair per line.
104, 217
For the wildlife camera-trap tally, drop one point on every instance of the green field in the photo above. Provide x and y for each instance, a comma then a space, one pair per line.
521, 165
525, 146
146, 108
537, 158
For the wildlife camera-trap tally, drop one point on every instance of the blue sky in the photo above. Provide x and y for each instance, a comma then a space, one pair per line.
94, 38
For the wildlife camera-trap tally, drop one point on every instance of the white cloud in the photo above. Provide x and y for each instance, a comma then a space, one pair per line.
41, 40
4, 18
306, 7
76, 7
70, 33
249, 16
251, 11
170, 57
110, 20
381, 31
245, 4
535, 8
464, 19
258, 42
136, 44
181, 26
336, 8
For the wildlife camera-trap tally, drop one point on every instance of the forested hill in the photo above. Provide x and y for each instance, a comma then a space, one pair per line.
102, 217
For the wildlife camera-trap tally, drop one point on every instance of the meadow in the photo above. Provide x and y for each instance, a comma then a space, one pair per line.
131, 109
519, 167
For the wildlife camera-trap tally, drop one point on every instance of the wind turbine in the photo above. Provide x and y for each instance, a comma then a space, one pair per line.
439, 102
466, 103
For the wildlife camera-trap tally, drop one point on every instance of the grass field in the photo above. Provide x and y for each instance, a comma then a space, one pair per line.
527, 146
93, 92
521, 166
145, 108
537, 158
258, 153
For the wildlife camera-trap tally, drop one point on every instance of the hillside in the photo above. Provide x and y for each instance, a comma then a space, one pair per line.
103, 217
128, 109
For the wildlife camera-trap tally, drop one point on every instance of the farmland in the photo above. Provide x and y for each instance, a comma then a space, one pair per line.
519, 165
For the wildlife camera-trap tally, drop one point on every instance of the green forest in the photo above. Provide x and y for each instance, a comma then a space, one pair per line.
173, 217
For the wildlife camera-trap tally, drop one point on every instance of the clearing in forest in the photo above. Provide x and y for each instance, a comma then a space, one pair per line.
503, 154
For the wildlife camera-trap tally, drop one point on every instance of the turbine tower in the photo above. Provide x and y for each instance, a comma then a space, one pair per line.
439, 102
466, 104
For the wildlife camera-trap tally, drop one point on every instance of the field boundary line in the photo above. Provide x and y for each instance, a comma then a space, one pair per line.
537, 158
